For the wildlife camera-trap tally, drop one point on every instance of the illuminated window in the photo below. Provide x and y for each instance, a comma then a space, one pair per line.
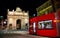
40, 25
48, 24
45, 24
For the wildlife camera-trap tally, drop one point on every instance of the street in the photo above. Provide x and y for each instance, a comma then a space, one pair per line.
20, 36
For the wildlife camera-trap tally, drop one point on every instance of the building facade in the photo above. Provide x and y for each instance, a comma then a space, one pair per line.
48, 7
17, 19
44, 8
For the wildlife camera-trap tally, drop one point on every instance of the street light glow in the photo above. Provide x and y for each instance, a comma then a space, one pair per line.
33, 14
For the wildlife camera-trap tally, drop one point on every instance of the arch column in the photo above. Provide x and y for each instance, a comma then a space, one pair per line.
14, 25
22, 23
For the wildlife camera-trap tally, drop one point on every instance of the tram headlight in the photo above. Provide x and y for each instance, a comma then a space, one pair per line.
56, 20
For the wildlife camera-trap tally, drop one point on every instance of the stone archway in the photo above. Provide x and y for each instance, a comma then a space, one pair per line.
18, 24
17, 18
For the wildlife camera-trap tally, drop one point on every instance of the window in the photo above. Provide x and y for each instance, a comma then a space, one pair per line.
45, 24
48, 24
40, 25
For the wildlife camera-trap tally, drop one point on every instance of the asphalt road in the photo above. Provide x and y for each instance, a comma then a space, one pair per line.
19, 36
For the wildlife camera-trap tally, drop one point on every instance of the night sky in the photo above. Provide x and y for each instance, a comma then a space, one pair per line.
27, 5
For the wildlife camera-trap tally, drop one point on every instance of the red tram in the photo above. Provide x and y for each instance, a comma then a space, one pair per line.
32, 27
46, 25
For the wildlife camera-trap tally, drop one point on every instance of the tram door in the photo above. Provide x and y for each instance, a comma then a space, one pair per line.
34, 27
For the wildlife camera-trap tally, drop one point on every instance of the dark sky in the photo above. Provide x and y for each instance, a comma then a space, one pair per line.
29, 5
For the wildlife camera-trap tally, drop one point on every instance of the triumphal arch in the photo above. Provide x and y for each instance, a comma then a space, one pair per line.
17, 19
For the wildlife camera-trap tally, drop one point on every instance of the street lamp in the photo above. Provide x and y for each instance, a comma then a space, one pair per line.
33, 14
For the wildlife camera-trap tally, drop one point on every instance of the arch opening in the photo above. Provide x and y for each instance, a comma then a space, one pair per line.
18, 24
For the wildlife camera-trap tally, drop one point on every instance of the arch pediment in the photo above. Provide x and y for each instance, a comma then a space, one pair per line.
18, 9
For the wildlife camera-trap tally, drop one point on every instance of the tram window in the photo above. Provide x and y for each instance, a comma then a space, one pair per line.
40, 25
48, 24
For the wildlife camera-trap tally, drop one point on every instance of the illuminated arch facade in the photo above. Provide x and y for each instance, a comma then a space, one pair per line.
13, 16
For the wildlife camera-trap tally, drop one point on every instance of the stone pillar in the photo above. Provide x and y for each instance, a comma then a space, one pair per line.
22, 24
14, 24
